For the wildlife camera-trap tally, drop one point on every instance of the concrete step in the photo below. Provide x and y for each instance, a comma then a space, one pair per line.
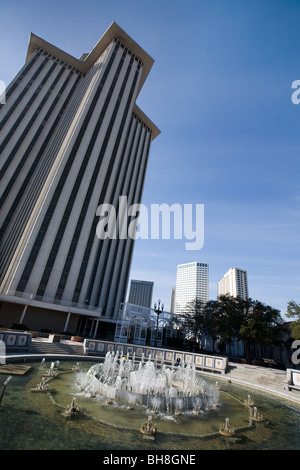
262, 376
42, 346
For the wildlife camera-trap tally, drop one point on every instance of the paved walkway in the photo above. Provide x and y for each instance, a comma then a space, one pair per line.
262, 378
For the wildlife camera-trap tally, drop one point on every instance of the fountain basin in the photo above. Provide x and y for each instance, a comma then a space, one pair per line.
35, 420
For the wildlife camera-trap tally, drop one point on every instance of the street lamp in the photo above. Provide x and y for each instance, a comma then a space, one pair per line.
158, 310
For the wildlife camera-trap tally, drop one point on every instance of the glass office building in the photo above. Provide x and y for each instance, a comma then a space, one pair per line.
192, 282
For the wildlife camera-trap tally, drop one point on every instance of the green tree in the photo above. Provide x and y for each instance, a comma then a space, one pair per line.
212, 320
232, 312
193, 320
263, 325
293, 311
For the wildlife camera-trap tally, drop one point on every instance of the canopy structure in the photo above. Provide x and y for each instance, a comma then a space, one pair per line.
142, 325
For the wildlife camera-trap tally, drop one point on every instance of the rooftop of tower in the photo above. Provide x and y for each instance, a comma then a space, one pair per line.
85, 62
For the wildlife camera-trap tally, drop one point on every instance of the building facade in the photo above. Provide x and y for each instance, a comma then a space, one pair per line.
72, 139
234, 283
192, 282
141, 293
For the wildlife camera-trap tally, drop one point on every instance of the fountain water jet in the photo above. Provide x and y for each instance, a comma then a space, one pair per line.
170, 390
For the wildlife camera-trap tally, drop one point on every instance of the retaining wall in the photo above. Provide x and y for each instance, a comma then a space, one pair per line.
201, 361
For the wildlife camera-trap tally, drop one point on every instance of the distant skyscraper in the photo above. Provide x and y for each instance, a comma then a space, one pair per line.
192, 282
72, 139
234, 283
141, 293
172, 300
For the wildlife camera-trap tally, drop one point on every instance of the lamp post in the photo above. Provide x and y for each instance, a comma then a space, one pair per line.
158, 310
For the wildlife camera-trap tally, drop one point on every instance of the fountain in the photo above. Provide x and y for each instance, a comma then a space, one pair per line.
41, 387
148, 429
249, 401
4, 387
163, 389
50, 372
256, 417
226, 430
72, 409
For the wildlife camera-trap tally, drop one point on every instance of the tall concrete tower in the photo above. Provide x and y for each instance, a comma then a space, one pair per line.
72, 138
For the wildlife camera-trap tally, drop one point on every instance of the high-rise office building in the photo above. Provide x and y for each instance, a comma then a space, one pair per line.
192, 282
141, 293
72, 139
234, 283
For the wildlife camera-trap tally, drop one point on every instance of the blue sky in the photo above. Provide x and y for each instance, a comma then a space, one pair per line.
220, 92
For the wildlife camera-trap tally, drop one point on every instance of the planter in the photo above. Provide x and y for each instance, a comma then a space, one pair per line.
33, 333
76, 338
55, 338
